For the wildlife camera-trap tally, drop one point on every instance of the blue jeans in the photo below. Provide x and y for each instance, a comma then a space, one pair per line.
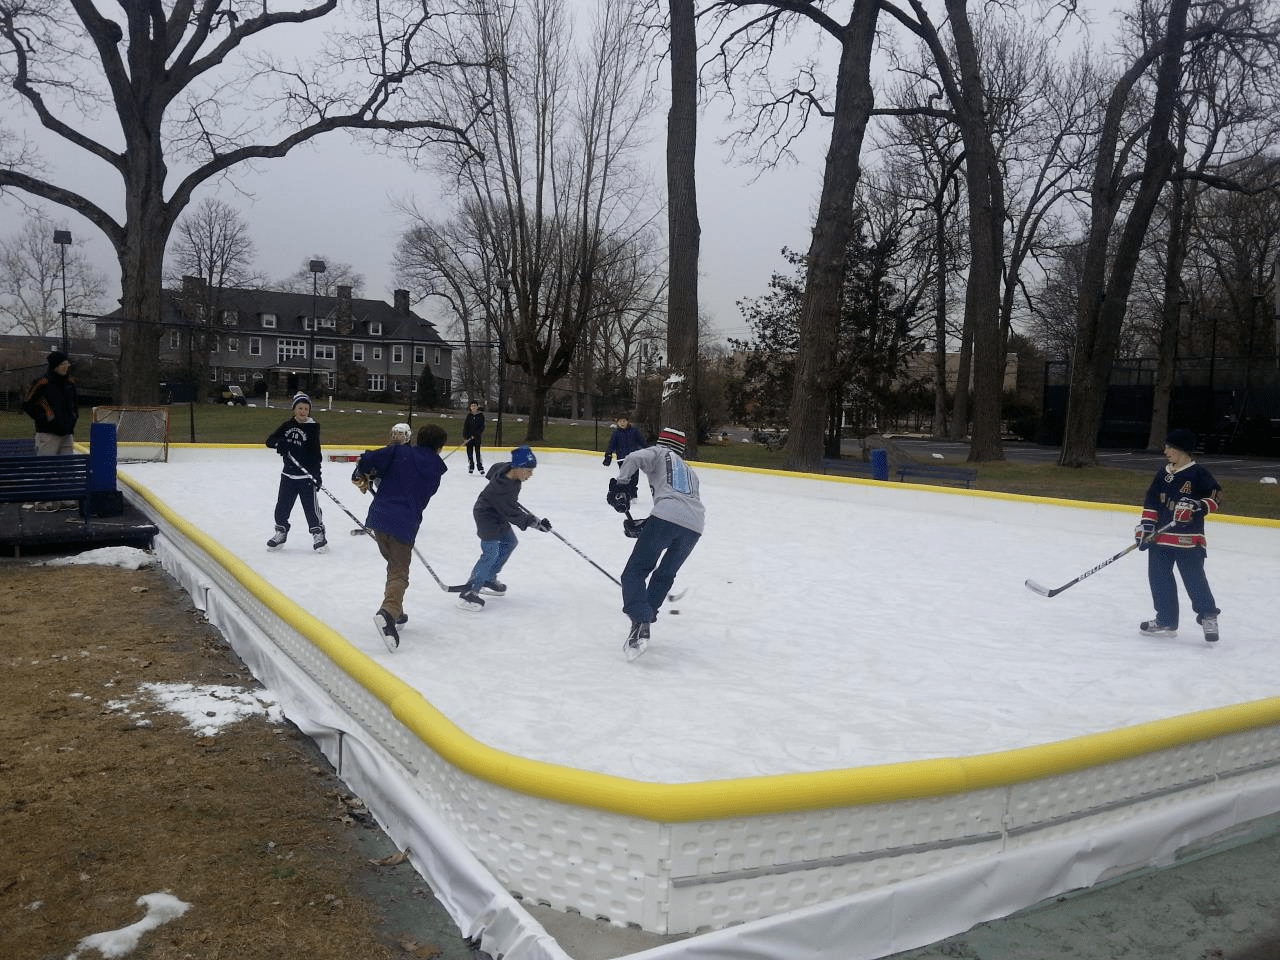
493, 557
1164, 590
662, 545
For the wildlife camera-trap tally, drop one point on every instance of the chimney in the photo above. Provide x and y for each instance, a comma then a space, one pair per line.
342, 310
192, 286
402, 301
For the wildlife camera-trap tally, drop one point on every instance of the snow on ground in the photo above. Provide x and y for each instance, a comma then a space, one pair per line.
827, 624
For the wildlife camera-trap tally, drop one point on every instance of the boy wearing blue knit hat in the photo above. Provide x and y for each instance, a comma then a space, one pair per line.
496, 511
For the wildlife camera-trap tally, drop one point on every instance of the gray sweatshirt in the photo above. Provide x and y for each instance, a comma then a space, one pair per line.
674, 485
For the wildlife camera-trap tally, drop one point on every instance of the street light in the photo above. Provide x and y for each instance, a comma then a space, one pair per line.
62, 238
503, 284
316, 267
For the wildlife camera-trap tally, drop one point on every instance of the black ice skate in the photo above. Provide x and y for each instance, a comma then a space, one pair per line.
1154, 628
318, 541
1210, 624
637, 641
470, 600
386, 628
278, 538
494, 589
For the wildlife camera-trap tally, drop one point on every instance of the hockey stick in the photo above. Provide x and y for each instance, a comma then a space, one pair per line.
325, 490
1053, 592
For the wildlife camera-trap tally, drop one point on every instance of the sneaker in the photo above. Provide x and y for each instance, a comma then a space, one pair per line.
387, 630
637, 641
278, 538
470, 600
1210, 624
1154, 628
494, 589
318, 542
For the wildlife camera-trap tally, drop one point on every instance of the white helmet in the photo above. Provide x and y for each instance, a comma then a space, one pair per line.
401, 432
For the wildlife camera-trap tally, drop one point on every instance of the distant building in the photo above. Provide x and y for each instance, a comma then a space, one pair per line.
262, 340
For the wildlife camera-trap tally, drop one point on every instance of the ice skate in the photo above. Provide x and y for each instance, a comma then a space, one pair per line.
637, 641
1210, 624
1154, 628
470, 600
494, 589
318, 541
386, 628
278, 538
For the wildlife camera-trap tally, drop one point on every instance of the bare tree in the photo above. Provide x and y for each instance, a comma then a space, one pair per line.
31, 282
336, 274
554, 192
213, 242
1124, 195
680, 406
746, 49
196, 88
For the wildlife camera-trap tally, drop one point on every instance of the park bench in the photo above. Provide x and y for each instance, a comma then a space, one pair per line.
33, 479
938, 472
18, 448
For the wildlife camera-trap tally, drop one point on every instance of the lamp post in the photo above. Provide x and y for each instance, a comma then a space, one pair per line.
316, 267
503, 284
62, 238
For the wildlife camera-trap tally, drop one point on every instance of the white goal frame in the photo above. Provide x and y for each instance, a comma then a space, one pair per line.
142, 433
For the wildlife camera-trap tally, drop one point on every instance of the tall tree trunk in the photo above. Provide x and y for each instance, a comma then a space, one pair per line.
1103, 301
680, 403
940, 323
1170, 318
824, 278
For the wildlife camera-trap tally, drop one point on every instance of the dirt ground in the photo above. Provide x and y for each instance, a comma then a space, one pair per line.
98, 808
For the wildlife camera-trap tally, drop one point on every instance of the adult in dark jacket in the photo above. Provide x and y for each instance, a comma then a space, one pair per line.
51, 403
472, 431
624, 439
497, 509
297, 440
404, 480
1182, 493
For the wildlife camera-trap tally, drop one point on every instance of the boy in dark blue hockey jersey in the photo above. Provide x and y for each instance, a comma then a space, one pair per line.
625, 439
297, 440
1181, 493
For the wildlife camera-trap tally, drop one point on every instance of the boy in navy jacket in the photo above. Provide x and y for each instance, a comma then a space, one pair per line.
297, 440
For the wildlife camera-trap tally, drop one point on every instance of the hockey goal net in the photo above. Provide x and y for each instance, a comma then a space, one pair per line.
142, 433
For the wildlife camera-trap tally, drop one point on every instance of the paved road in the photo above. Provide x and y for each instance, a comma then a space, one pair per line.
1252, 469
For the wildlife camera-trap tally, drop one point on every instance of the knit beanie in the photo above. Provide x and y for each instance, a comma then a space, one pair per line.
301, 398
1181, 439
673, 438
56, 358
522, 456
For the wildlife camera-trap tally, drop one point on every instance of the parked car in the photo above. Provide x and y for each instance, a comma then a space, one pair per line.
232, 396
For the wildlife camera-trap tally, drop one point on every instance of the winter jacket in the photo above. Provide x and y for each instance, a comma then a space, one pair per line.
301, 441
51, 403
498, 506
473, 426
407, 479
1167, 488
673, 482
624, 441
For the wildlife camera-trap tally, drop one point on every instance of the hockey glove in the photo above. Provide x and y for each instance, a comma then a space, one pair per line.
544, 525
632, 527
608, 459
361, 480
620, 495
1185, 510
1145, 533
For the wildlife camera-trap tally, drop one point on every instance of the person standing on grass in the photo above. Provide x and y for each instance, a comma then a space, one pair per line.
297, 440
496, 510
404, 479
623, 440
472, 431
665, 538
1182, 493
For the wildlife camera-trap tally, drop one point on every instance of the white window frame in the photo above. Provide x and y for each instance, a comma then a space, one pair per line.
436, 364
175, 339
255, 346
290, 348
233, 344
268, 321
375, 328
229, 318
326, 351
376, 353
357, 353
420, 354
397, 353
377, 382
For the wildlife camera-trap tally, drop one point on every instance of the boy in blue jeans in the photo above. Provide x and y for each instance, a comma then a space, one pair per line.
496, 510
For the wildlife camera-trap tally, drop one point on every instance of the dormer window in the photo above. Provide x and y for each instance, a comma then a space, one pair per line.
228, 318
268, 321
375, 328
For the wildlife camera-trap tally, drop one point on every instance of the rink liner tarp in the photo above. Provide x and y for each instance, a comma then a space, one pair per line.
896, 855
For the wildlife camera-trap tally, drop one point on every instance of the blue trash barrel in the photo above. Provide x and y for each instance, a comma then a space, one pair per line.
879, 464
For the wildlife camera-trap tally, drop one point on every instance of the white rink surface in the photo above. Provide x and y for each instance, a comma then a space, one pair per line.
826, 624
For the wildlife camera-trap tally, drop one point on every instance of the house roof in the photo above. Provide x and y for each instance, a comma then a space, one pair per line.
288, 307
